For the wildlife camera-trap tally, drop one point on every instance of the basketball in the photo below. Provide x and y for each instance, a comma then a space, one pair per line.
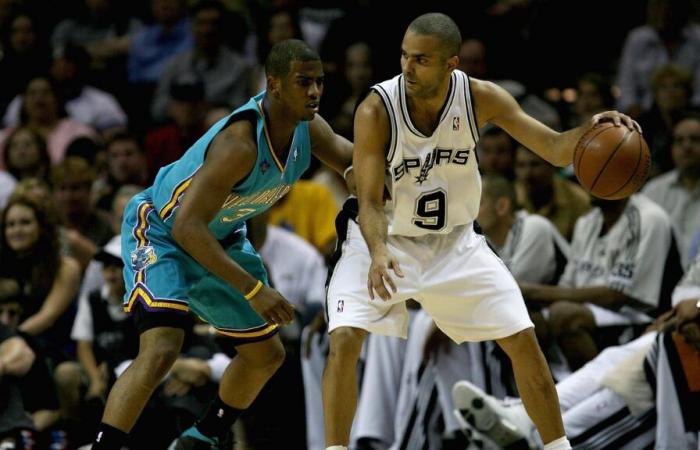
611, 162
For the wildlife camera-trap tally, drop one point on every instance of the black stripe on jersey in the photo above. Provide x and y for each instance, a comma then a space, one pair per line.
342, 220
392, 119
475, 124
404, 108
471, 115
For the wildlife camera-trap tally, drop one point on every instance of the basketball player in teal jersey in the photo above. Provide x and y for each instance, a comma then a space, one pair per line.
185, 248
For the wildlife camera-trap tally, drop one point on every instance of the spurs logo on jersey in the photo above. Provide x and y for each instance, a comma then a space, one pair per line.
433, 180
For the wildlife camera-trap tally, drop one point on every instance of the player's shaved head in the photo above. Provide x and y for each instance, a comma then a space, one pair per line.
496, 186
284, 53
442, 27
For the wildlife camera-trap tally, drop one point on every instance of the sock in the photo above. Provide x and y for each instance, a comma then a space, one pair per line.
109, 438
558, 444
337, 447
218, 420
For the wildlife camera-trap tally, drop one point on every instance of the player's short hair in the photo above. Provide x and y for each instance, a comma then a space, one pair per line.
442, 27
497, 186
282, 54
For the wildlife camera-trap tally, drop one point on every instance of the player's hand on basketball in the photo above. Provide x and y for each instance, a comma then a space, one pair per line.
378, 279
272, 307
617, 118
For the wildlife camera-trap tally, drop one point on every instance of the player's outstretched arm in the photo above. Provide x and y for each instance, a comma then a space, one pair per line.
369, 163
331, 148
230, 158
495, 105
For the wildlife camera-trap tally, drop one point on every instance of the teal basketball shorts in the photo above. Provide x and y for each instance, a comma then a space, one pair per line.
164, 283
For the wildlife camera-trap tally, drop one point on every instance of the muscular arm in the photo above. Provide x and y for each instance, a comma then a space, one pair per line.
229, 159
63, 291
332, 149
494, 105
369, 163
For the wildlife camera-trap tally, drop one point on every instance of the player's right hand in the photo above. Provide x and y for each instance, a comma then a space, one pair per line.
379, 273
272, 307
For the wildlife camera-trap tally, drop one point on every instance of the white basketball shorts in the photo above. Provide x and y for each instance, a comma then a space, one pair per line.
456, 277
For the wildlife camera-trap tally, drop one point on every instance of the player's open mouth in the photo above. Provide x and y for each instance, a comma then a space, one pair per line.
312, 106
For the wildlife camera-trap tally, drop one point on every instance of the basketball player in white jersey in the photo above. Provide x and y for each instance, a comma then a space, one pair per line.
414, 138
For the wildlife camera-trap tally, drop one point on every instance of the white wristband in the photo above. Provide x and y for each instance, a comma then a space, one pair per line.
345, 174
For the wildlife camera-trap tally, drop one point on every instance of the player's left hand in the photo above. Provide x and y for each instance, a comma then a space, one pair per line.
379, 273
617, 118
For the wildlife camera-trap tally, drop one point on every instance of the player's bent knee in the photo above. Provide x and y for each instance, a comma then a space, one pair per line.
67, 374
346, 342
266, 356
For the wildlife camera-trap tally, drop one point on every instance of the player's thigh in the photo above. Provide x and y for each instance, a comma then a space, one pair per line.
473, 297
348, 303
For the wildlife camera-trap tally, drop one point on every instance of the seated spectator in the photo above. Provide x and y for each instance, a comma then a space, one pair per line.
672, 88
24, 55
16, 358
30, 254
43, 111
84, 228
83, 103
105, 338
308, 210
629, 397
25, 155
226, 74
593, 95
541, 191
37, 388
529, 245
678, 191
186, 109
668, 36
496, 151
126, 164
154, 44
624, 263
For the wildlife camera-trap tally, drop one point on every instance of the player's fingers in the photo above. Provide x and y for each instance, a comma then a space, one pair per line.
394, 264
369, 286
629, 123
616, 120
637, 126
379, 287
389, 281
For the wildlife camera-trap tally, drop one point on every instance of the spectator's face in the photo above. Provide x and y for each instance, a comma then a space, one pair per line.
22, 37
472, 58
496, 154
73, 196
670, 94
686, 147
114, 280
531, 170
125, 161
166, 11
40, 99
36, 189
205, 28
487, 217
9, 314
21, 228
589, 100
358, 67
23, 151
281, 28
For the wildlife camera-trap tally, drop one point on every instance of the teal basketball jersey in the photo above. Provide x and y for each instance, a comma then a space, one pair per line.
267, 182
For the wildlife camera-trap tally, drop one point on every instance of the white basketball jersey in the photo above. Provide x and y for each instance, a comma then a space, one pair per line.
433, 181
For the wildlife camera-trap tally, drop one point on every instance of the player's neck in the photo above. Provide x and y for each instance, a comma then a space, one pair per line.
278, 123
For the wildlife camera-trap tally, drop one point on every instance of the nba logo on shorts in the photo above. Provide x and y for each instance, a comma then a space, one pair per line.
341, 305
455, 123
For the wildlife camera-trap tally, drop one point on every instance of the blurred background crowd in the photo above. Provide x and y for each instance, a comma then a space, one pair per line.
97, 95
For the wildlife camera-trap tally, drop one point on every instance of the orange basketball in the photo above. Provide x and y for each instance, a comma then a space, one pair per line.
611, 162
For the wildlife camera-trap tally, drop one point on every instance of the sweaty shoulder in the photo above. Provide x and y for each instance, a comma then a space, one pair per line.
372, 108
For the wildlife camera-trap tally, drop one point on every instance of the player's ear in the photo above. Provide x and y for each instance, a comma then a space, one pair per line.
274, 85
452, 62
503, 206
